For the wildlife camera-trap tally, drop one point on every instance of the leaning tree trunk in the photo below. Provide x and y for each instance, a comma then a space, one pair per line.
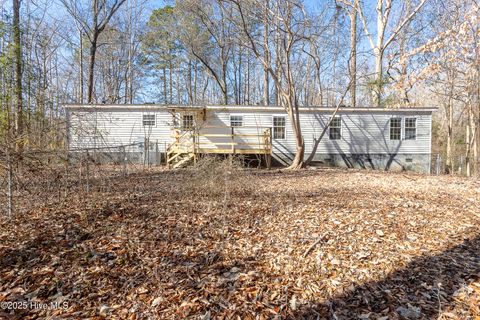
297, 162
294, 116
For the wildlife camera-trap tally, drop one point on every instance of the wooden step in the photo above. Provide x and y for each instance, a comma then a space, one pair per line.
174, 157
181, 163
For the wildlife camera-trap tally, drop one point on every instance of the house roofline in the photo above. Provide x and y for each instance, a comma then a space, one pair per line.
241, 107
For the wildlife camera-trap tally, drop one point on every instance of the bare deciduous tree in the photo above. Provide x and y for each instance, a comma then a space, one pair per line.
383, 10
93, 22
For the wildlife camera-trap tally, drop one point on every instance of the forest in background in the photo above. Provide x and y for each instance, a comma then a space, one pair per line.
412, 53
81, 239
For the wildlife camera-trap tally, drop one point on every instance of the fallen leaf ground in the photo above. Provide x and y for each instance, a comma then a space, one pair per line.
228, 244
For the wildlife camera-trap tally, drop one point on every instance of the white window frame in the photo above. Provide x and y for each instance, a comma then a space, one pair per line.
390, 128
273, 127
341, 129
149, 115
237, 115
405, 128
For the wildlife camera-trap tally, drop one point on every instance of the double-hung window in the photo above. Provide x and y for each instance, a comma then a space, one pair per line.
187, 122
395, 128
236, 121
335, 130
279, 127
410, 128
148, 120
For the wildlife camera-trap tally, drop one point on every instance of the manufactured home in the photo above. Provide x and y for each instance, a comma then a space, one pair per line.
377, 138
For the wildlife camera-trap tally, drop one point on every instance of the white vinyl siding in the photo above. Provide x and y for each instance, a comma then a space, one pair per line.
117, 127
362, 132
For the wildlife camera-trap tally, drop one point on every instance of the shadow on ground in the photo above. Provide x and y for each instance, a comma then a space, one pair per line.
424, 289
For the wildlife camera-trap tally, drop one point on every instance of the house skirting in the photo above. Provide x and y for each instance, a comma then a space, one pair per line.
392, 162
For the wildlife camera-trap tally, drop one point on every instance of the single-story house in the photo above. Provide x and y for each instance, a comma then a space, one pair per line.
377, 138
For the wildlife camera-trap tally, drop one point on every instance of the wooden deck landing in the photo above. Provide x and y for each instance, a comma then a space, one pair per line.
187, 145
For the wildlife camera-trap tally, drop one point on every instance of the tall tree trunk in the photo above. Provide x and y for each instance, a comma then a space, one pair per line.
240, 78
224, 82
378, 84
293, 110
81, 67
165, 93
247, 84
170, 92
471, 140
278, 68
449, 160
468, 142
451, 79
353, 58
125, 89
266, 85
91, 67
129, 72
179, 91
473, 143
131, 86
476, 122
18, 69
378, 53
195, 80
278, 72
236, 82
190, 84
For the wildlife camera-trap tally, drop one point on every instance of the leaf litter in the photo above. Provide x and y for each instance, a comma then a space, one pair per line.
219, 242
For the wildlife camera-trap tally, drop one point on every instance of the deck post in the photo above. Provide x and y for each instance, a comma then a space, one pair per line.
144, 150
124, 161
233, 140
165, 150
269, 147
196, 138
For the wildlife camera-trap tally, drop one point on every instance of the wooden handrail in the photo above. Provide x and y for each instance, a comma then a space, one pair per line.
190, 142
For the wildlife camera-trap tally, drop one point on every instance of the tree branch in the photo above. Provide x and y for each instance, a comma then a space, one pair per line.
403, 23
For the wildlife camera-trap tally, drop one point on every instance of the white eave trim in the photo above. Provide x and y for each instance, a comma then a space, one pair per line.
241, 108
